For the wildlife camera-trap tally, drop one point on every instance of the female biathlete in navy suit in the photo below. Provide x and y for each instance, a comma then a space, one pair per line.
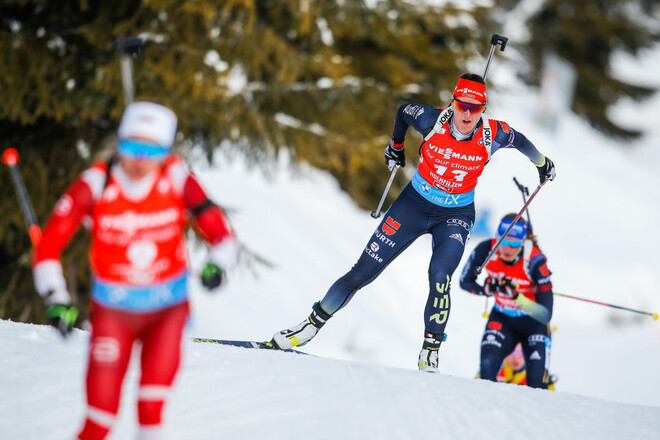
439, 200
519, 279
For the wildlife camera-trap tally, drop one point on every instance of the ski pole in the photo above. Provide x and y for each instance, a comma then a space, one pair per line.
10, 158
495, 40
485, 314
652, 315
128, 47
376, 213
499, 242
525, 192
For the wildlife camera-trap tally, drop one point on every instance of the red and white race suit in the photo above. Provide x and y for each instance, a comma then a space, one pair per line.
139, 265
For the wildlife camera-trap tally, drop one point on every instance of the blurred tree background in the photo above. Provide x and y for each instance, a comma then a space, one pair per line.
321, 79
587, 34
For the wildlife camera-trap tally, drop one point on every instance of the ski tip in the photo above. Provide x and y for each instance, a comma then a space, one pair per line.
655, 316
10, 157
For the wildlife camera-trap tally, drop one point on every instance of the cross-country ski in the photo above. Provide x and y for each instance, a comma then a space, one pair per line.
263, 345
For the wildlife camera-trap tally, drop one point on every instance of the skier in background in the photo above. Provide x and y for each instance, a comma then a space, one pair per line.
519, 279
136, 206
438, 201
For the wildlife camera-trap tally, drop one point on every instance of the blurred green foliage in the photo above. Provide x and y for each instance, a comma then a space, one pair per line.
588, 33
322, 79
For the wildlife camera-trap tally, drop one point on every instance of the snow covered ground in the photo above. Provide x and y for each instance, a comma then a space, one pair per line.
234, 393
597, 223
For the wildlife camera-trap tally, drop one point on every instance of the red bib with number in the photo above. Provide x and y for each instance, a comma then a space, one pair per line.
139, 242
451, 165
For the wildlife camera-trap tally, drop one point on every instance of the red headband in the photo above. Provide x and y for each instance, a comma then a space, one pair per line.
466, 88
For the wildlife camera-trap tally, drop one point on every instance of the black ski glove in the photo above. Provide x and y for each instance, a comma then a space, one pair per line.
63, 317
212, 276
508, 289
490, 287
547, 170
395, 155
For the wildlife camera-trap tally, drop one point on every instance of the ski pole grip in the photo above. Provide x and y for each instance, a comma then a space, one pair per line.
498, 39
131, 46
10, 157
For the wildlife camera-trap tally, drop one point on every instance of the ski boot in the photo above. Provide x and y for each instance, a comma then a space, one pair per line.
428, 357
302, 333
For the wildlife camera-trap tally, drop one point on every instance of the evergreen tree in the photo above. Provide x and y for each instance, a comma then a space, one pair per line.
587, 34
320, 78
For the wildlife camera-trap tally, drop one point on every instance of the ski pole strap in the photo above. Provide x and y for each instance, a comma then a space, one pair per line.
523, 189
652, 315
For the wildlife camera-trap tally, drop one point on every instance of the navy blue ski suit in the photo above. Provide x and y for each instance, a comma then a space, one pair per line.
430, 204
509, 322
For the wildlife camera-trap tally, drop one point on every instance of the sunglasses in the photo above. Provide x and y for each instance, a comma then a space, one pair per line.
513, 244
140, 150
465, 106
